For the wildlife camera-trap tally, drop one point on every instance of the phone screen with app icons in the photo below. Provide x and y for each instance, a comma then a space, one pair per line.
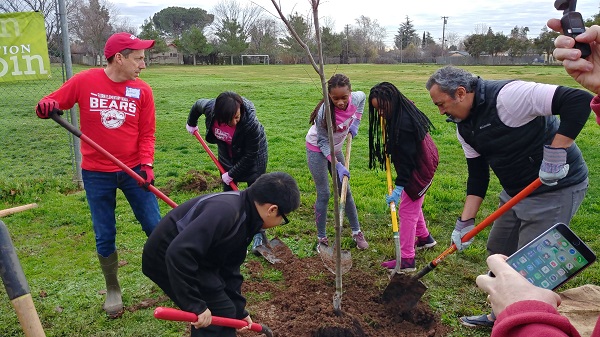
552, 258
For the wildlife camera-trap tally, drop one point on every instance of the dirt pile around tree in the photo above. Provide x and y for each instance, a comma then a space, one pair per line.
193, 181
303, 306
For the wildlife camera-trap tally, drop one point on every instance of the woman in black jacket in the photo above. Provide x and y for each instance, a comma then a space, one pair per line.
231, 123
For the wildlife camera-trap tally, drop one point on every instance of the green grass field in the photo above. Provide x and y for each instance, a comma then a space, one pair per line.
55, 242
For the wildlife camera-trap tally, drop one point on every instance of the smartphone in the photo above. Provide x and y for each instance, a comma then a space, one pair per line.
552, 258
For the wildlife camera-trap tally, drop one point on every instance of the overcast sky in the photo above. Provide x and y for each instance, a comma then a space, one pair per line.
464, 17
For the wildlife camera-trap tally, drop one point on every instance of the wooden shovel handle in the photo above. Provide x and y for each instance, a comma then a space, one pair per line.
17, 209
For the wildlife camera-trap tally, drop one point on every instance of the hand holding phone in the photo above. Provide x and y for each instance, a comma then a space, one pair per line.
572, 24
508, 287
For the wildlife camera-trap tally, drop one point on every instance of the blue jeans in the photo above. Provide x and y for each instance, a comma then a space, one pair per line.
101, 193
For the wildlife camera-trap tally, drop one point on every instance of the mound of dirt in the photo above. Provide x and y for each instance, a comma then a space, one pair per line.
193, 181
303, 306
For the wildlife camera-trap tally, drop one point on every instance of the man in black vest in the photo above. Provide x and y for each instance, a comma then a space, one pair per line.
512, 128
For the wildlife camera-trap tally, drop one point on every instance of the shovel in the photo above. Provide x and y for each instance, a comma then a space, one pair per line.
393, 212
171, 314
65, 124
268, 250
214, 159
406, 291
328, 253
274, 250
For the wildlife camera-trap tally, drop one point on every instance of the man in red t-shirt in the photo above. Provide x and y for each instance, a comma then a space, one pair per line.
117, 112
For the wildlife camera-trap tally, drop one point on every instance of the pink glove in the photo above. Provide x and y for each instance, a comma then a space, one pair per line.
191, 129
147, 173
45, 107
226, 178
595, 105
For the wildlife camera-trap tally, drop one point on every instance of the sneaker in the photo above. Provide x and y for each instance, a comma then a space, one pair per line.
424, 243
361, 243
478, 321
391, 264
322, 241
406, 264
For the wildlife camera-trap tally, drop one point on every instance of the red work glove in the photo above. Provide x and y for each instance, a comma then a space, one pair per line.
147, 173
45, 107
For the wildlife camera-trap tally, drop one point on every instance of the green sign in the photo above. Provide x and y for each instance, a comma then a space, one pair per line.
23, 47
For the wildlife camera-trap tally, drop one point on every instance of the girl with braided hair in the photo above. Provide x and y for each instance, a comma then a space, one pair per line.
415, 158
346, 111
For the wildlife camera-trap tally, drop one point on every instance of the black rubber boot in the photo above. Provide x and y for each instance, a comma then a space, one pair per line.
113, 305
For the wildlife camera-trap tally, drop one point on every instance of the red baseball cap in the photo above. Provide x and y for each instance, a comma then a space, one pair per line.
121, 41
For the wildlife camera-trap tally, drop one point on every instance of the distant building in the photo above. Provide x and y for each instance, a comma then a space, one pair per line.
458, 53
171, 56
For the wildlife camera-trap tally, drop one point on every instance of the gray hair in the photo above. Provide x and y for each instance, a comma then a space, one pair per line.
450, 78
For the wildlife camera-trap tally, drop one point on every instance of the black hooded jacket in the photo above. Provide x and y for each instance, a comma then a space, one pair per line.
199, 246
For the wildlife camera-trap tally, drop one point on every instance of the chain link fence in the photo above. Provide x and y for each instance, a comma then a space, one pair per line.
19, 98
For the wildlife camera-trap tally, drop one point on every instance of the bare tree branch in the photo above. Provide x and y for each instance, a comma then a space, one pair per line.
296, 36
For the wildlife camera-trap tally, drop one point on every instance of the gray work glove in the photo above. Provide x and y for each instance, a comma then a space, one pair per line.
460, 229
554, 165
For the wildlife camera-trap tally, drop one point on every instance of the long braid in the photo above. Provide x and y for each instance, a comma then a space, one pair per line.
394, 104
376, 151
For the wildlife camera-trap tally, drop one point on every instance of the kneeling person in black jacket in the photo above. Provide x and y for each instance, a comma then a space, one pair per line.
195, 253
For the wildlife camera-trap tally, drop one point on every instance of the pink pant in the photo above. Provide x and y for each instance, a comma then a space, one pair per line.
411, 223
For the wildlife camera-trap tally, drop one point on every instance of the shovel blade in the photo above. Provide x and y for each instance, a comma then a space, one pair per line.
275, 251
403, 292
327, 254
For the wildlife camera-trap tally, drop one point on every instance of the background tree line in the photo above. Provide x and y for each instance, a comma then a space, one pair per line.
232, 29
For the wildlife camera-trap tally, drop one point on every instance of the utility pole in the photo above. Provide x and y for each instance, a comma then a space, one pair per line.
401, 42
347, 45
444, 33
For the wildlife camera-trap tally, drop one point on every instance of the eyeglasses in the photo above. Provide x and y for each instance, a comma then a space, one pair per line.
285, 219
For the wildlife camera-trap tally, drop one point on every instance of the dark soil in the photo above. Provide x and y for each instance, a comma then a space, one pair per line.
303, 306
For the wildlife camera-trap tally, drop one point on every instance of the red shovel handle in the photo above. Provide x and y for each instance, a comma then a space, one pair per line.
483, 224
212, 156
65, 124
172, 314
501, 210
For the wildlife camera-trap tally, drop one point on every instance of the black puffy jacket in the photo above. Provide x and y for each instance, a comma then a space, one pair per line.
249, 153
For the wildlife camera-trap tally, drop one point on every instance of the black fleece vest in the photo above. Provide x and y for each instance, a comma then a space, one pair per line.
514, 154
